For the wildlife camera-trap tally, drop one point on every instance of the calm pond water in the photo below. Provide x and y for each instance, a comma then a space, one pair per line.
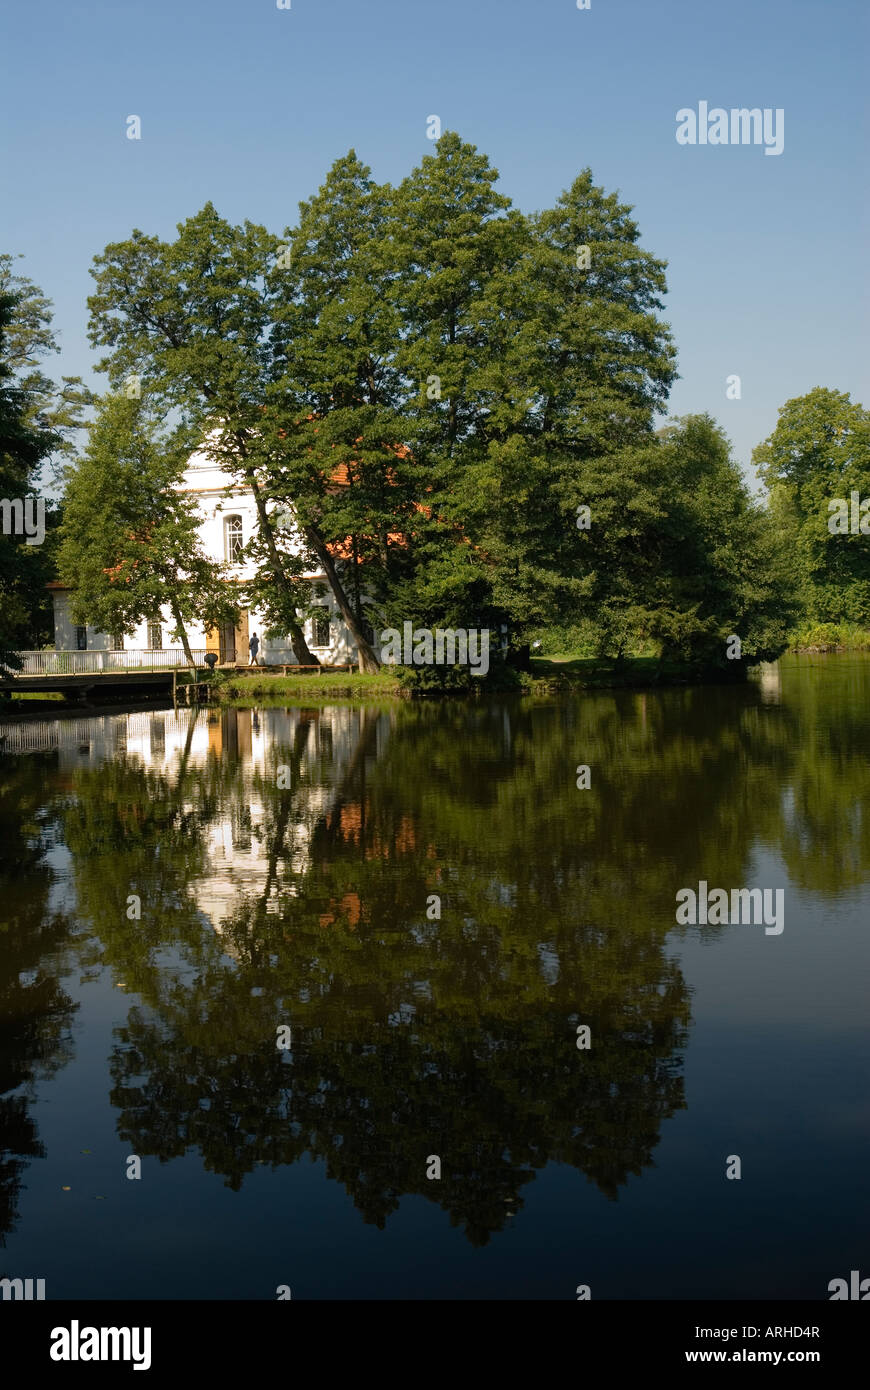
288, 864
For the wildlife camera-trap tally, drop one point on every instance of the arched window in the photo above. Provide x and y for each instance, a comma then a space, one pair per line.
233, 541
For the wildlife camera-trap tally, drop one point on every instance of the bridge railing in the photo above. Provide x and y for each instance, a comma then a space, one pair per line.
53, 663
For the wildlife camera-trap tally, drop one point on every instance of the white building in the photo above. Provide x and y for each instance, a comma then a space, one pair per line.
228, 521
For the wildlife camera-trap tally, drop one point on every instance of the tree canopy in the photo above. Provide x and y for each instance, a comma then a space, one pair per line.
456, 404
816, 457
25, 445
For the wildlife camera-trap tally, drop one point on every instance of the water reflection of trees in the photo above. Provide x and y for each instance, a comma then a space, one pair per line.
820, 816
454, 1037
35, 1012
412, 1036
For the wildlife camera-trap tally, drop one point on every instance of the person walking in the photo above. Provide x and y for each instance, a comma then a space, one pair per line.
254, 645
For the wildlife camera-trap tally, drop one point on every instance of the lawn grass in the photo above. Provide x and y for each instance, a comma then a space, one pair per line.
240, 689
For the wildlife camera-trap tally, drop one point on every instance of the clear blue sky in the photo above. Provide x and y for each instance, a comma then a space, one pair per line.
248, 105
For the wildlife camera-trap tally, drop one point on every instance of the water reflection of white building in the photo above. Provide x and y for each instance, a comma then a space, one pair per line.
770, 682
160, 739
319, 748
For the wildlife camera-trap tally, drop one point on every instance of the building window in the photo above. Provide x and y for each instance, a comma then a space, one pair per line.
233, 541
81, 639
155, 637
321, 628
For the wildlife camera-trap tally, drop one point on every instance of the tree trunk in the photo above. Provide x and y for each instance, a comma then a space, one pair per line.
300, 646
357, 606
303, 653
182, 632
368, 660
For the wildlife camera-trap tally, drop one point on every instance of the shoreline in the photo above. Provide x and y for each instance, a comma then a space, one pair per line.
261, 690
548, 677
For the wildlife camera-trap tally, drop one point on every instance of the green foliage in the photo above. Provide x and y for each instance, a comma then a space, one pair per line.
725, 570
54, 410
420, 681
531, 409
130, 538
830, 637
435, 384
330, 440
24, 447
194, 318
679, 557
818, 452
38, 419
460, 498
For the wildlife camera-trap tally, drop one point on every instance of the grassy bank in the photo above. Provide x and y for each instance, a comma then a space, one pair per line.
241, 689
547, 674
830, 637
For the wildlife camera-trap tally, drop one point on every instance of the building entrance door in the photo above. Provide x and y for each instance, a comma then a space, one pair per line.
227, 643
241, 636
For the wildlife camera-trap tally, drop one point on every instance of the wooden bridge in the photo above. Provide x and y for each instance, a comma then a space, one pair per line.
81, 675
84, 685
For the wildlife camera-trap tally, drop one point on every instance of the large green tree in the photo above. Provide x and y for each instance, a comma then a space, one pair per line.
39, 418
719, 567
24, 448
457, 251
818, 454
192, 319
437, 391
550, 361
333, 432
130, 542
57, 408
